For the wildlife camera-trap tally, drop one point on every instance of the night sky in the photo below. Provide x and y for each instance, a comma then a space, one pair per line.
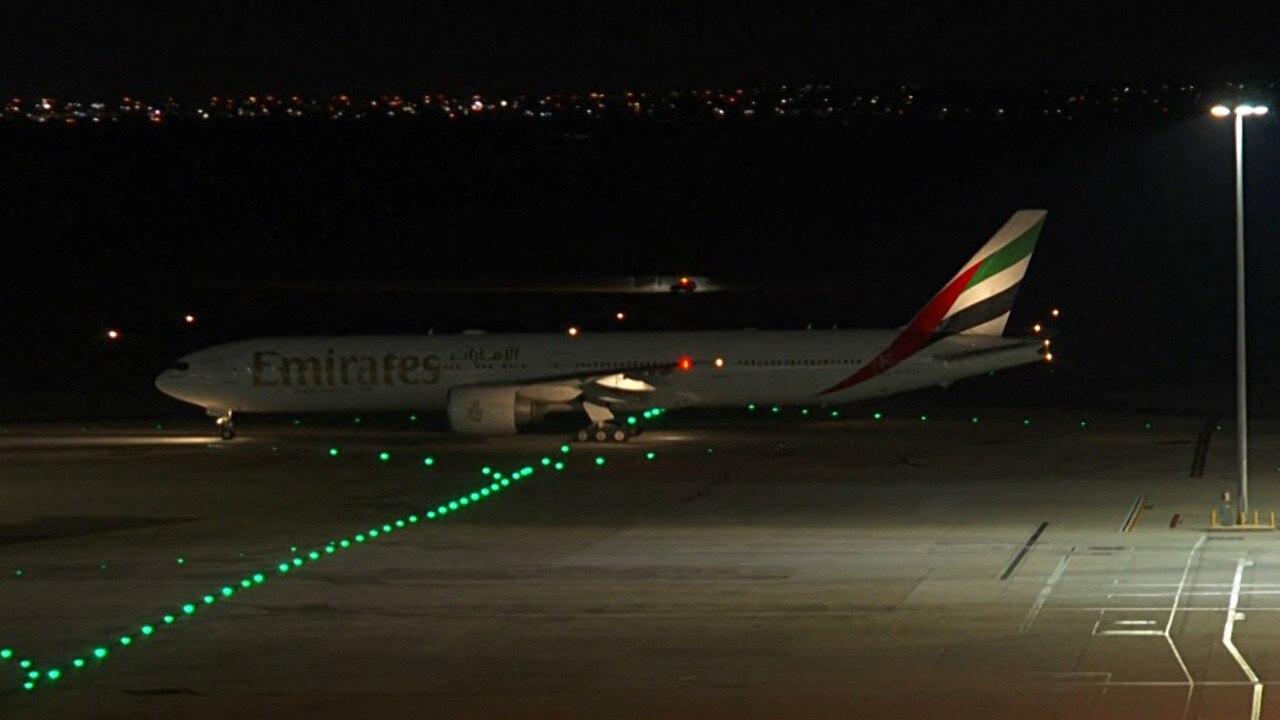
278, 228
199, 47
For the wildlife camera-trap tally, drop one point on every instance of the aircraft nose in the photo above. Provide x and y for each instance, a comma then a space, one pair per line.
168, 381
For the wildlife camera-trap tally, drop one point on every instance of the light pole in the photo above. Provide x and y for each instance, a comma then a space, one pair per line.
1242, 414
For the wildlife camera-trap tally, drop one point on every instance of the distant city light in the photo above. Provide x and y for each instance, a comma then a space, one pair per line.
113, 334
189, 319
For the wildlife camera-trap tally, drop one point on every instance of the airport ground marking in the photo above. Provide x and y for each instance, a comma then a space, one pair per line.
35, 675
1228, 629
1044, 592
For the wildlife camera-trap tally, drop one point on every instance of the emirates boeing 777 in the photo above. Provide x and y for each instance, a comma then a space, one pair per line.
492, 384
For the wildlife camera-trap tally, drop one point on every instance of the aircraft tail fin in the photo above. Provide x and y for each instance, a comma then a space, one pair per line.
977, 301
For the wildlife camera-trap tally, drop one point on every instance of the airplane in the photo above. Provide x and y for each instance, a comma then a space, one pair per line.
495, 384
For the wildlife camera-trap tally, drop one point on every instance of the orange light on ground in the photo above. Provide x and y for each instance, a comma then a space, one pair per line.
1054, 312
1036, 328
685, 363
719, 362
1048, 357
621, 316
113, 334
573, 331
189, 319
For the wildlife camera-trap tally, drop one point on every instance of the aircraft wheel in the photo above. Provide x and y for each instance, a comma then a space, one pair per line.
228, 433
600, 435
620, 436
584, 435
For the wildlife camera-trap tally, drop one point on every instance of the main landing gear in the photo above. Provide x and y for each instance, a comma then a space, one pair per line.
603, 432
226, 427
602, 427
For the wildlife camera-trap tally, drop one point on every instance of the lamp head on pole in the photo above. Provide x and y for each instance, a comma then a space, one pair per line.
1221, 111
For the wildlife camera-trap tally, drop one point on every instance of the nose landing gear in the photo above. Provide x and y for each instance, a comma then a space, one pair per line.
226, 427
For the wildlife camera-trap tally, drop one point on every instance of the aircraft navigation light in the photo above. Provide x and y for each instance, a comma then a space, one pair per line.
686, 363
1220, 111
719, 362
113, 334
1036, 328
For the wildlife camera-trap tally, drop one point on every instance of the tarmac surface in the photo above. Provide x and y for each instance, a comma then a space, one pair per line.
756, 566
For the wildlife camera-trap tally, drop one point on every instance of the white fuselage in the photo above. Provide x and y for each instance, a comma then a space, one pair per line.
417, 372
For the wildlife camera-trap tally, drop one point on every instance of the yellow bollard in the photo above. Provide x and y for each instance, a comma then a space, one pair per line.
1255, 517
1213, 518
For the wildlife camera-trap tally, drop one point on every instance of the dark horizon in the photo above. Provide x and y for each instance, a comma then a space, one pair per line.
77, 48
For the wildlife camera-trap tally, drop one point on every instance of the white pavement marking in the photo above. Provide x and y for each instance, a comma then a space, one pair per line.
1229, 628
1173, 647
1044, 593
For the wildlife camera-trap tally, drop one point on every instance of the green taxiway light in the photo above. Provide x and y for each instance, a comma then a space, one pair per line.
600, 460
333, 451
564, 448
208, 599
486, 470
428, 460
24, 664
384, 456
182, 561
559, 466
313, 555
125, 640
835, 413
358, 420
453, 504
462, 501
775, 409
878, 416
78, 662
631, 419
475, 496
227, 591
284, 567
924, 418
344, 543
546, 461
28, 685
650, 455
495, 487
168, 619
373, 532
484, 491
804, 411
413, 418
1146, 426
5, 654
648, 414
431, 514
442, 510
147, 629
400, 523
1083, 423
189, 608
34, 674
1026, 422
751, 406
975, 420
506, 482
298, 561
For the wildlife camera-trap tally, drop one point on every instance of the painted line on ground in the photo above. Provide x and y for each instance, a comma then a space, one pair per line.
1044, 592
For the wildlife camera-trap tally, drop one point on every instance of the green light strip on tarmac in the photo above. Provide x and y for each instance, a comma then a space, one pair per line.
35, 676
